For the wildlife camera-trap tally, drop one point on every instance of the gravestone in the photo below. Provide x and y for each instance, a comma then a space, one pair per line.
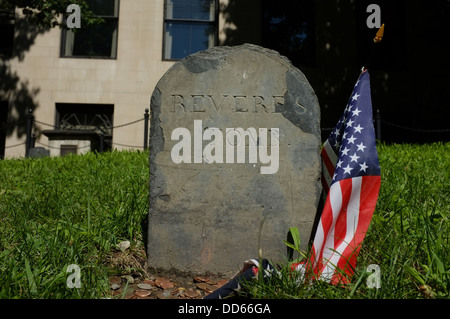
234, 160
38, 152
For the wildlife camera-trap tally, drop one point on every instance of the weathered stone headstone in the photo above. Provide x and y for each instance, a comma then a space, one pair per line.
38, 152
234, 140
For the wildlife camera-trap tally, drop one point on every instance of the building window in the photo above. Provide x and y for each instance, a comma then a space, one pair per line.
289, 28
189, 26
98, 41
7, 21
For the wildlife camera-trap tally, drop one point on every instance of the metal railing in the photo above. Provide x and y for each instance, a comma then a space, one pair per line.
30, 140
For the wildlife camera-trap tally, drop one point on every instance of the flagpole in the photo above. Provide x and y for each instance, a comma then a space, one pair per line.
374, 50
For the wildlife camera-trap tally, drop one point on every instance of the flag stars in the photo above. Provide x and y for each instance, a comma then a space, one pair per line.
352, 140
336, 132
347, 169
356, 112
334, 176
361, 147
355, 97
363, 167
354, 158
358, 129
345, 151
350, 123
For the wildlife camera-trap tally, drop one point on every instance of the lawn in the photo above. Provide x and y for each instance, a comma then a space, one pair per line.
75, 210
56, 212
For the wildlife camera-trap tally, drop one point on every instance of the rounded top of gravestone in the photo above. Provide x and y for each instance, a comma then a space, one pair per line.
212, 58
247, 70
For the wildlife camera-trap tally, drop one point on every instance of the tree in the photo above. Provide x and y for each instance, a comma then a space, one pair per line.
48, 13
17, 96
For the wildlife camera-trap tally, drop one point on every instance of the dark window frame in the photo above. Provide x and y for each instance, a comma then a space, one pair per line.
107, 19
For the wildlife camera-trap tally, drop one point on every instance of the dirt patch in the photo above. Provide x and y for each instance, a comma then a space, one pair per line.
132, 279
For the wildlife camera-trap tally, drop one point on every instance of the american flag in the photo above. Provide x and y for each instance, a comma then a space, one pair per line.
351, 180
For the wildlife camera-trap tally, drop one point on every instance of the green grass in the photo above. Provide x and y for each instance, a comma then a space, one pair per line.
72, 210
408, 237
55, 212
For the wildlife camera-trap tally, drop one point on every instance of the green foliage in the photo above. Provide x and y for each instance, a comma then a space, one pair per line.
69, 210
47, 13
294, 245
